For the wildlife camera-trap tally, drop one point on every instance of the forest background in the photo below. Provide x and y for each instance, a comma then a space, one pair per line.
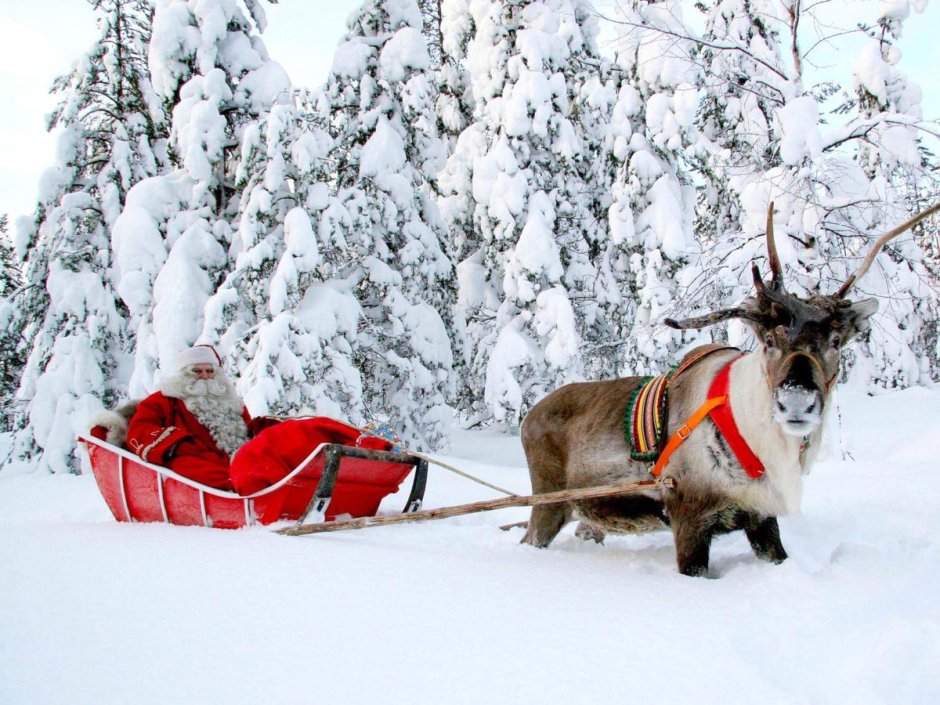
484, 200
46, 36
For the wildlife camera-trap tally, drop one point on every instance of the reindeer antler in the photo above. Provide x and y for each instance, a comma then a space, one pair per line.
879, 243
776, 273
711, 319
775, 305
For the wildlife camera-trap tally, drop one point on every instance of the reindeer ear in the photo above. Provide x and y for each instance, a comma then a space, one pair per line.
859, 312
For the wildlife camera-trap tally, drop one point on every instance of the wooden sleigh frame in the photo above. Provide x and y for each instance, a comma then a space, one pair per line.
333, 481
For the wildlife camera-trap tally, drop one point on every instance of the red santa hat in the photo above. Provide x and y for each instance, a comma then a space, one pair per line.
198, 355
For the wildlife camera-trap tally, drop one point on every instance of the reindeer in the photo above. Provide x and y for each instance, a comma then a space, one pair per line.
574, 437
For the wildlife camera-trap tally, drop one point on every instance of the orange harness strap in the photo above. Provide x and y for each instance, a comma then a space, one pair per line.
685, 430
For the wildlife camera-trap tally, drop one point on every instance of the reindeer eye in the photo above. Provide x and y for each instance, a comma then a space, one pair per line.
836, 342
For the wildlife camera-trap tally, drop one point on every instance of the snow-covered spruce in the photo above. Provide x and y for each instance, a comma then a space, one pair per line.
174, 238
11, 364
69, 323
383, 240
521, 198
288, 325
770, 137
651, 254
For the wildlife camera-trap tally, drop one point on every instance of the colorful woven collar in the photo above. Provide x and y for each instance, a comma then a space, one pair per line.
645, 419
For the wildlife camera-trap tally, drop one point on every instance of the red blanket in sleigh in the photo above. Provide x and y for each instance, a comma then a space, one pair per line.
271, 455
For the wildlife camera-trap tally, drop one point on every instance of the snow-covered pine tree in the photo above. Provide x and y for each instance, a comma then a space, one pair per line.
831, 195
431, 29
742, 84
901, 172
11, 278
383, 238
652, 252
174, 240
10, 275
287, 325
455, 99
517, 190
455, 108
69, 320
754, 94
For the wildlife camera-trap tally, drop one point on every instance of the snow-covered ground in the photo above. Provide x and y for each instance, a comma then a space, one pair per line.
456, 611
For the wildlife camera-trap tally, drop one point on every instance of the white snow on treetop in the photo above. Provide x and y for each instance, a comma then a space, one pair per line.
799, 125
405, 51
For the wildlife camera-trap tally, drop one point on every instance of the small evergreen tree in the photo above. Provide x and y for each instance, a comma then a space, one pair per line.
11, 279
10, 275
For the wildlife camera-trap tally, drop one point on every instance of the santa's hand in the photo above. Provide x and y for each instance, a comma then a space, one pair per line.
174, 449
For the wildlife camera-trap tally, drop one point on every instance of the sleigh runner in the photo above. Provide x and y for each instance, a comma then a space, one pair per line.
333, 481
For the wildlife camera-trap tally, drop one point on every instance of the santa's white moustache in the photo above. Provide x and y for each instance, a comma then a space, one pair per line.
205, 387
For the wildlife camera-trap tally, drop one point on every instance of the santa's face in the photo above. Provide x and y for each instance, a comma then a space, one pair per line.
204, 371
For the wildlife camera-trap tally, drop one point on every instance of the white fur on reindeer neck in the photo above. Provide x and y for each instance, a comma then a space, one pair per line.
751, 402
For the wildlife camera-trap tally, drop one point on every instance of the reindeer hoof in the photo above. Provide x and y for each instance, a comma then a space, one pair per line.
694, 571
772, 556
587, 532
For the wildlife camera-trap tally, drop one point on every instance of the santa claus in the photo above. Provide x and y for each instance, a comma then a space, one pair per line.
195, 422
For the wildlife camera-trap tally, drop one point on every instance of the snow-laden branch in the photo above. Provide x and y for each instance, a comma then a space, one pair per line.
700, 42
860, 129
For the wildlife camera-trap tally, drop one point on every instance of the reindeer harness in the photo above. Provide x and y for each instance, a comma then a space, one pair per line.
647, 412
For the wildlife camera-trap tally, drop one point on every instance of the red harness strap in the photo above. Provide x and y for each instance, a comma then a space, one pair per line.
724, 420
718, 407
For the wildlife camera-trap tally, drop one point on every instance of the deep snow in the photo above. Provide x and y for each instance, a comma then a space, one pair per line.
456, 611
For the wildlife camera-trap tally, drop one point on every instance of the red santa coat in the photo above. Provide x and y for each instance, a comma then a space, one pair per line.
161, 422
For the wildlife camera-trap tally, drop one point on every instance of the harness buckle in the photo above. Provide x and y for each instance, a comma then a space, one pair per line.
684, 431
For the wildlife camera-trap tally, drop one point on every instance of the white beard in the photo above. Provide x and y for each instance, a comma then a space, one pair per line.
214, 403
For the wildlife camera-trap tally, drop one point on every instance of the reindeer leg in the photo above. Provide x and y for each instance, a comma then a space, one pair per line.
693, 541
764, 535
545, 523
695, 518
547, 473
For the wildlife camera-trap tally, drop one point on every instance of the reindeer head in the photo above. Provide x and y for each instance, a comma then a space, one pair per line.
801, 338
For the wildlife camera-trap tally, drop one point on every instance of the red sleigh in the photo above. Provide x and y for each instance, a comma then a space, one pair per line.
332, 481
